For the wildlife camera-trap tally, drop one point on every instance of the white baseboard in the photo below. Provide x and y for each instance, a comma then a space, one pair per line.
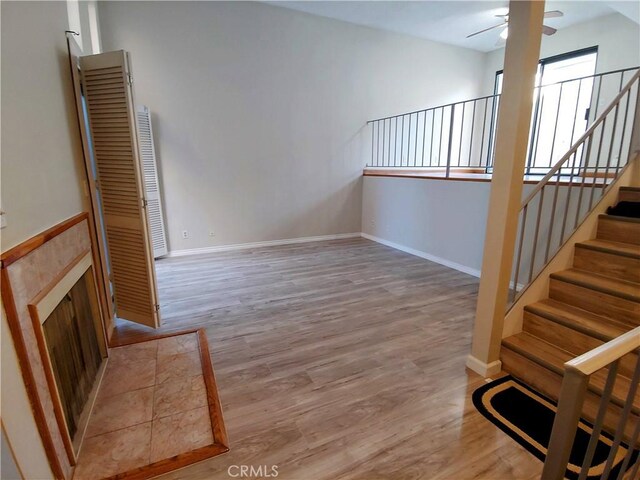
269, 243
482, 368
426, 256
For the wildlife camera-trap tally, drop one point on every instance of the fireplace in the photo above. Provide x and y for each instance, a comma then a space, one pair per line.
54, 315
66, 321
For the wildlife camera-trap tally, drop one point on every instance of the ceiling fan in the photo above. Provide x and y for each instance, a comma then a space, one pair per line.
503, 35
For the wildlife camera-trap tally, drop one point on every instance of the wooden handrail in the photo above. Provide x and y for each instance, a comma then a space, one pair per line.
571, 399
593, 360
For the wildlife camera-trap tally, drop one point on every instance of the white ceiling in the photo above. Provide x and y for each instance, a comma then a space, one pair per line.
451, 21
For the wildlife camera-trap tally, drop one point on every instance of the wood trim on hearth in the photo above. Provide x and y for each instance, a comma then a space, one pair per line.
220, 440
215, 410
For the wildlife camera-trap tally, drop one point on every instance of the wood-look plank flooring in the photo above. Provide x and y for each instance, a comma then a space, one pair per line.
338, 360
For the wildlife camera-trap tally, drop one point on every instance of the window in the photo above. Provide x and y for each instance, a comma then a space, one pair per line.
564, 85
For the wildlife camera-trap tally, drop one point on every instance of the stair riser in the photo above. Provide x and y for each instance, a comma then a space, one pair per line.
617, 308
570, 340
629, 195
610, 264
549, 383
618, 231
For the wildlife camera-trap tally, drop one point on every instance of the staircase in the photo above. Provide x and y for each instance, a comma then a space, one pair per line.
592, 303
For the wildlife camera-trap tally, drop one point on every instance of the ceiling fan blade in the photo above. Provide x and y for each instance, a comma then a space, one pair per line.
553, 14
548, 30
487, 29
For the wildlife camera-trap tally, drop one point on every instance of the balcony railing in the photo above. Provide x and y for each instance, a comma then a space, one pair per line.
462, 134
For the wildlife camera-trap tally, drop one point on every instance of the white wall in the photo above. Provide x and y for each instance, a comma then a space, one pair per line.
41, 150
443, 219
259, 111
42, 170
617, 39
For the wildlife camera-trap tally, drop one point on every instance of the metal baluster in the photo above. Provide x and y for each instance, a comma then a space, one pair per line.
519, 257
621, 79
627, 458
415, 152
473, 121
433, 123
409, 140
484, 124
555, 128
623, 420
535, 235
424, 136
395, 146
389, 146
378, 144
637, 109
600, 416
384, 129
613, 136
441, 126
575, 113
402, 143
568, 201
448, 168
533, 155
372, 141
624, 131
464, 105
535, 126
584, 170
595, 173
595, 112
553, 216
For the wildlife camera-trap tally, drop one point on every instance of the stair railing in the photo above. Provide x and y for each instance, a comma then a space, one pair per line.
558, 204
460, 136
577, 373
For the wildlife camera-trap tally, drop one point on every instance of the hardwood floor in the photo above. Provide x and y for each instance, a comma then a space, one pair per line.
339, 360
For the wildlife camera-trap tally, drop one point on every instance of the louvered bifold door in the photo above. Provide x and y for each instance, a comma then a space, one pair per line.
151, 184
109, 101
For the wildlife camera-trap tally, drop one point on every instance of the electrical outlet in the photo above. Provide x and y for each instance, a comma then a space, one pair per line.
212, 233
185, 234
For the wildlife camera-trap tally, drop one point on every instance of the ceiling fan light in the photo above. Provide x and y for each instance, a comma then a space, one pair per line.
504, 33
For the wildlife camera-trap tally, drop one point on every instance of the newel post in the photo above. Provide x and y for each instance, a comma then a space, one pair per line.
512, 135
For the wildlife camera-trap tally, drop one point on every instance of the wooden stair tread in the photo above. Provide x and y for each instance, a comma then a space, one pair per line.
554, 358
617, 218
611, 286
630, 189
589, 323
616, 248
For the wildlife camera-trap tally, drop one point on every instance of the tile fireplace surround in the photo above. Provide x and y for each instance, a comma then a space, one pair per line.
34, 267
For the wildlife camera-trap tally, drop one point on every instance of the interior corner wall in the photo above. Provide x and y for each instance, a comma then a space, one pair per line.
259, 111
42, 166
441, 220
617, 39
42, 170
